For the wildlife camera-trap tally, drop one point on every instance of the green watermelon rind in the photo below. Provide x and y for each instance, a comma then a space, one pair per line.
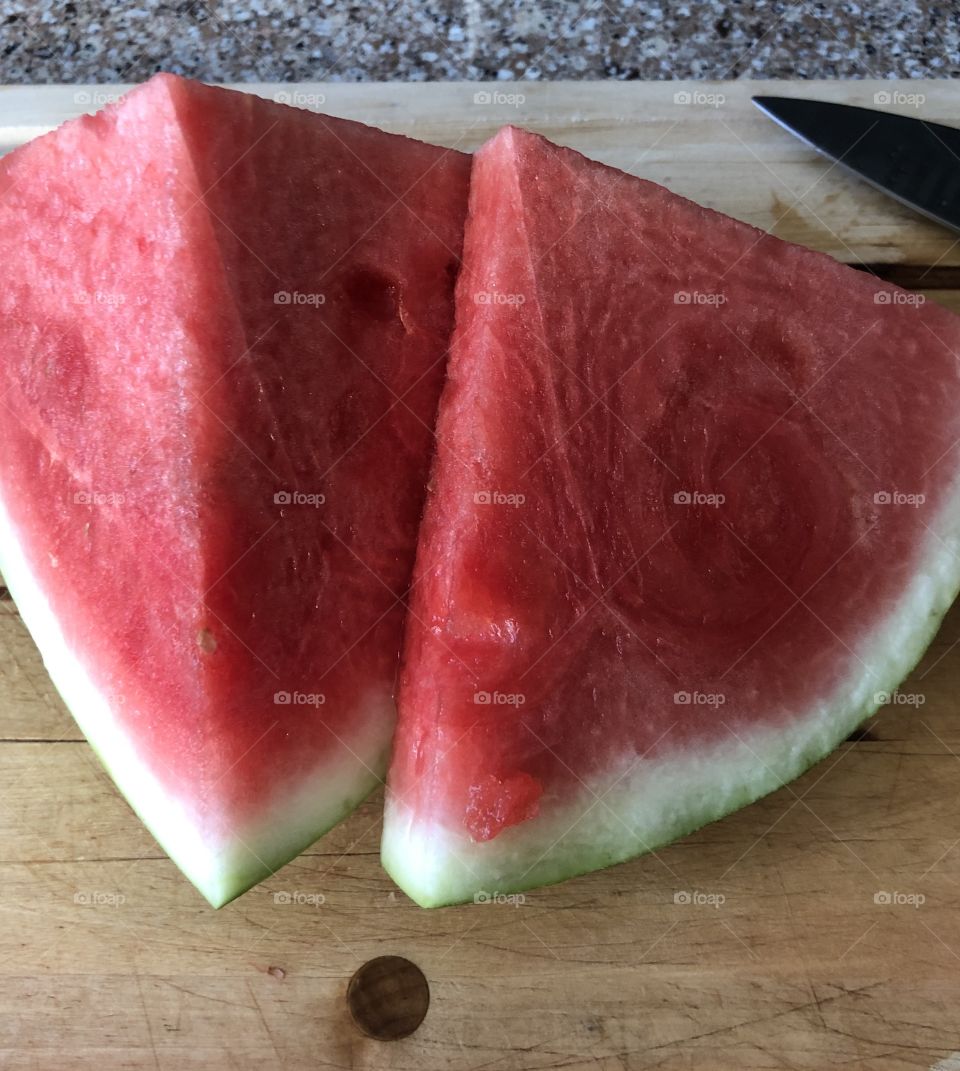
228, 866
437, 866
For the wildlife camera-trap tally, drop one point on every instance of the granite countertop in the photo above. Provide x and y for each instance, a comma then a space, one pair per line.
415, 40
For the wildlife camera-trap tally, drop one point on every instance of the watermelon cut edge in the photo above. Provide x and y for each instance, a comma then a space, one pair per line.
225, 869
635, 809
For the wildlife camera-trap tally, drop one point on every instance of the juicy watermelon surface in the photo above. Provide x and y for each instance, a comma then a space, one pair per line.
694, 513
222, 351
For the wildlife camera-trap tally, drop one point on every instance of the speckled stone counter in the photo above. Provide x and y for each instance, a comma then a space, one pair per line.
100, 41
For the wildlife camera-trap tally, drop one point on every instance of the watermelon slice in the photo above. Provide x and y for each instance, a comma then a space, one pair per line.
222, 340
695, 513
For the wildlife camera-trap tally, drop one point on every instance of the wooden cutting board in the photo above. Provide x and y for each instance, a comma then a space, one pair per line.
819, 927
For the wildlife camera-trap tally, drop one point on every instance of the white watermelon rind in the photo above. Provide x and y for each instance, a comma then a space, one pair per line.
644, 804
221, 866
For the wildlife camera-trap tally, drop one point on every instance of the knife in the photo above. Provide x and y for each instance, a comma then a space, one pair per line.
912, 160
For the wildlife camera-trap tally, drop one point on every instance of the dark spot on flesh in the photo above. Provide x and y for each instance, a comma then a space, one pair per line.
373, 294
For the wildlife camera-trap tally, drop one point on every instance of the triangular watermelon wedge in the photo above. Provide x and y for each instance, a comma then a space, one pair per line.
695, 514
222, 338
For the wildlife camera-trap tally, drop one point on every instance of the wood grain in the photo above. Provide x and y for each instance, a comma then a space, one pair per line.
761, 942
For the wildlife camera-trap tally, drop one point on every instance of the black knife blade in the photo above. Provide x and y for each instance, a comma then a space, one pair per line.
911, 159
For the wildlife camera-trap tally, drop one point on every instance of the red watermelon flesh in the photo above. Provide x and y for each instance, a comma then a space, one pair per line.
694, 513
222, 344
